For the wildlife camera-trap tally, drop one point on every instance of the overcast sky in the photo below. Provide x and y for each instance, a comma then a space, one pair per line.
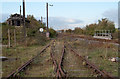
65, 15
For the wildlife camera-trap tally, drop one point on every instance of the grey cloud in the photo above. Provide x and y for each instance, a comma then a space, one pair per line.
63, 23
3, 17
111, 14
55, 22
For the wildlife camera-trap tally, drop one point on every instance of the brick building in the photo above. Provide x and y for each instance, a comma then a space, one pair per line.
16, 20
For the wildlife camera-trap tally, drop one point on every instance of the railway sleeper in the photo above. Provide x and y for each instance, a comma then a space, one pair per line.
93, 66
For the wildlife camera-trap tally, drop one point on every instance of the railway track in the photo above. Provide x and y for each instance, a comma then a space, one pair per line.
91, 38
60, 72
57, 54
58, 64
25, 65
91, 65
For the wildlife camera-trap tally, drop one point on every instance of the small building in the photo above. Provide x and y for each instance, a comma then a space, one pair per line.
103, 34
16, 20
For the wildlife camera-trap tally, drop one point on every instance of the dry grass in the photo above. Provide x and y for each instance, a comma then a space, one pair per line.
74, 67
99, 54
41, 67
20, 55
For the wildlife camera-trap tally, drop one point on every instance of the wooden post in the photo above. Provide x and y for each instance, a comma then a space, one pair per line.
20, 10
47, 33
15, 37
107, 32
41, 20
20, 24
24, 28
106, 49
8, 38
47, 15
20, 16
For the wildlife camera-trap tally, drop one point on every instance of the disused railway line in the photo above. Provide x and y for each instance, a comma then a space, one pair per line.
58, 66
24, 66
91, 38
91, 65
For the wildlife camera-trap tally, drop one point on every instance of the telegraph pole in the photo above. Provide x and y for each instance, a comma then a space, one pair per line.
24, 28
20, 15
47, 14
41, 20
47, 33
20, 10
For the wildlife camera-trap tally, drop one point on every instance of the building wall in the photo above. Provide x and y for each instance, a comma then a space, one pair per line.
14, 22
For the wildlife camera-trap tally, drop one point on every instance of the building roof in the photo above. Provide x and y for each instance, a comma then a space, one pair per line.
17, 17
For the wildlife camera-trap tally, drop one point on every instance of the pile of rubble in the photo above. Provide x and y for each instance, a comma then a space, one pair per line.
114, 59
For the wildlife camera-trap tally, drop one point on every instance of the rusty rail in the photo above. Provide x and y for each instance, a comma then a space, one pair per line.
58, 66
91, 65
91, 38
24, 66
61, 60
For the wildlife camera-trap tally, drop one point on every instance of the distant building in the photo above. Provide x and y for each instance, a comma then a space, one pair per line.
103, 34
59, 31
16, 20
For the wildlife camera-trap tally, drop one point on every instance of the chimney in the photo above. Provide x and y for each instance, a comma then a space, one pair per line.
20, 10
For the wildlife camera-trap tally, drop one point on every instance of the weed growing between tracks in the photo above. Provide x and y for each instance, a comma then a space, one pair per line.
42, 66
74, 66
18, 56
96, 53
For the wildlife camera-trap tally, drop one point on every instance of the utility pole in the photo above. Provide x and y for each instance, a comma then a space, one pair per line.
24, 28
47, 33
8, 38
41, 20
20, 15
21, 34
20, 10
47, 14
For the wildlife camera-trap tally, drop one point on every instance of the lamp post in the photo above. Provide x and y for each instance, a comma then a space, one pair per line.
47, 33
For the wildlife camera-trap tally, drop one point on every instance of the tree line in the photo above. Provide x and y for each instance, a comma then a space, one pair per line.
103, 24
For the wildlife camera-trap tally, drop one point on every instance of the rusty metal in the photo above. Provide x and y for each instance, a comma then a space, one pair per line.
61, 60
58, 66
59, 71
24, 66
91, 65
90, 38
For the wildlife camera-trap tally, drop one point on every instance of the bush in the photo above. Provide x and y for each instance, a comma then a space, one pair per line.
38, 39
53, 33
5, 28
